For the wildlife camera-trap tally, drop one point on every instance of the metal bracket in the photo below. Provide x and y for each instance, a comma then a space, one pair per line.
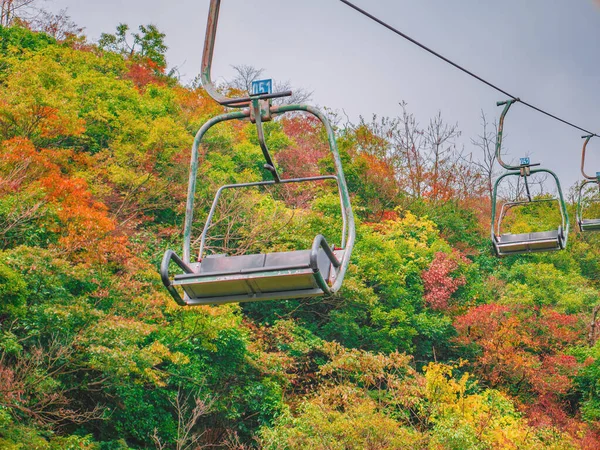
507, 104
265, 110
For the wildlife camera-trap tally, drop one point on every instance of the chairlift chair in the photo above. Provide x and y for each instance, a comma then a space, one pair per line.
586, 225
540, 241
219, 279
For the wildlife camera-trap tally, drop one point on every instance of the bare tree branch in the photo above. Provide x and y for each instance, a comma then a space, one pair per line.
188, 408
11, 10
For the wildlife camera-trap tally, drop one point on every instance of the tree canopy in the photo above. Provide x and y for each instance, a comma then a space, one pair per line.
432, 342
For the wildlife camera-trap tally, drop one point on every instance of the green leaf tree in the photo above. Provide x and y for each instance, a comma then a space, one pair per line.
147, 46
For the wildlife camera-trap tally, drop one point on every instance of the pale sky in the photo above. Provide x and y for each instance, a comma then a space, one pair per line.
544, 51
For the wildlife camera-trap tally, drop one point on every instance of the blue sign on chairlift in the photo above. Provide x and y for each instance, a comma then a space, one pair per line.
525, 161
598, 176
260, 87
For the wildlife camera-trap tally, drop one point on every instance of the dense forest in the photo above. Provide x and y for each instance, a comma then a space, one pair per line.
432, 343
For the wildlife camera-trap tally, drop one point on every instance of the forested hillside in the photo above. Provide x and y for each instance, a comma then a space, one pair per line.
432, 343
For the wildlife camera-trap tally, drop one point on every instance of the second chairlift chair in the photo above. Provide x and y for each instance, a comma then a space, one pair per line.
586, 225
541, 241
218, 279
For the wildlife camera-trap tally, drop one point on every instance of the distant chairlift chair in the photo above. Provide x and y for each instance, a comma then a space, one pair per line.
218, 279
586, 225
513, 244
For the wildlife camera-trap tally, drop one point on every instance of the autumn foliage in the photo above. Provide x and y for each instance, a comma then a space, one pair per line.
433, 343
440, 281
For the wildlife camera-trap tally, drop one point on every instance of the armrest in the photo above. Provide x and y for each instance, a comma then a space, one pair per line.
170, 255
318, 243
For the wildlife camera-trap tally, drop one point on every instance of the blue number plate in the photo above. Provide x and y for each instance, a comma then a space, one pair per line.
525, 161
262, 87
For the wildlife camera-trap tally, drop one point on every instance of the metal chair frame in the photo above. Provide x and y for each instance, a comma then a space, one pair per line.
531, 242
586, 225
258, 109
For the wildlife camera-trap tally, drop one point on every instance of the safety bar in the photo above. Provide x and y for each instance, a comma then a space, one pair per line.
169, 256
509, 205
189, 208
524, 202
348, 244
207, 57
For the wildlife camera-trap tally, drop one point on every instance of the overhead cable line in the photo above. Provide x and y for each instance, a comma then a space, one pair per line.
459, 67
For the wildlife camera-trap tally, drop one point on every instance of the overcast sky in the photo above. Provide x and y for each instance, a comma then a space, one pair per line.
545, 51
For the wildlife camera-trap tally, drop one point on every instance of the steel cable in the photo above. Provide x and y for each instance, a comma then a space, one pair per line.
459, 67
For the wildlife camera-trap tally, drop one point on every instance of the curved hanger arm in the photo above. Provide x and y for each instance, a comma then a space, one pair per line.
207, 57
507, 104
585, 143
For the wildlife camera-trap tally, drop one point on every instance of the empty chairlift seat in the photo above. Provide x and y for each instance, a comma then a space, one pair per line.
222, 279
543, 241
255, 277
589, 225
540, 241
586, 225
